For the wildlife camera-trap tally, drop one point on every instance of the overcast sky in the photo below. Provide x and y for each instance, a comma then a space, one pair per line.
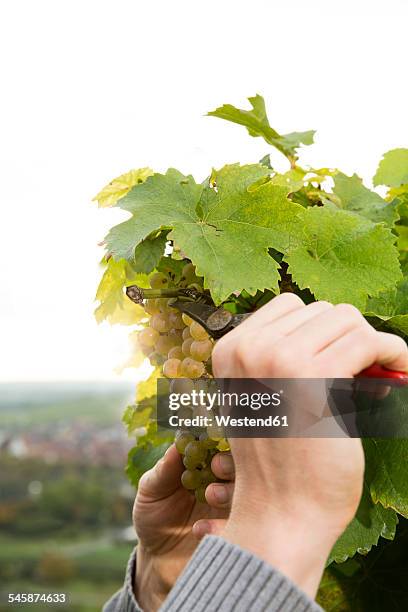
90, 89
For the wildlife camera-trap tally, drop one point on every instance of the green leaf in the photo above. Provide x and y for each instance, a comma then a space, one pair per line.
337, 256
148, 253
391, 307
393, 169
136, 417
357, 198
119, 187
257, 123
114, 306
386, 475
237, 214
143, 458
371, 522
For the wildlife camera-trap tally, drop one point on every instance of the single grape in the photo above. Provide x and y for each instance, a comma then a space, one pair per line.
160, 323
182, 385
158, 280
155, 358
197, 331
187, 320
188, 271
182, 439
163, 306
191, 464
176, 336
176, 353
201, 349
190, 368
190, 479
195, 452
185, 347
164, 344
171, 368
186, 333
207, 476
175, 320
200, 495
148, 336
215, 432
151, 307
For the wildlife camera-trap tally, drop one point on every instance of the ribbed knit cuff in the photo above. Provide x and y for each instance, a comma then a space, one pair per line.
124, 600
221, 576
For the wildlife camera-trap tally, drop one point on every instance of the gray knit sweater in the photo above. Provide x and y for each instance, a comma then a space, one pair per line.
221, 576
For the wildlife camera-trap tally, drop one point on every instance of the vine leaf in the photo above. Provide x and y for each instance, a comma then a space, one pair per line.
371, 522
237, 215
357, 198
391, 307
337, 256
257, 123
114, 306
120, 186
393, 169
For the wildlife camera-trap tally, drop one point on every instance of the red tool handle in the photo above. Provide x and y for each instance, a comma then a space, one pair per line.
378, 371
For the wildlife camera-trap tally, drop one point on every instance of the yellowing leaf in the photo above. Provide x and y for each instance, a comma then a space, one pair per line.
148, 388
120, 186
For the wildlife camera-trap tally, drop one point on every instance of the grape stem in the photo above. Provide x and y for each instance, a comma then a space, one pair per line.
138, 294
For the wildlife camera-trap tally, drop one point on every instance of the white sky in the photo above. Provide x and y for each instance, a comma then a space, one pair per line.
90, 89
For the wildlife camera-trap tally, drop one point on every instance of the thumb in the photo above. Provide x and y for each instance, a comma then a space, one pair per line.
208, 527
164, 478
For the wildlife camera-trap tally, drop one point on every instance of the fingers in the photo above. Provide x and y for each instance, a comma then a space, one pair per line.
208, 526
219, 494
222, 466
359, 349
164, 478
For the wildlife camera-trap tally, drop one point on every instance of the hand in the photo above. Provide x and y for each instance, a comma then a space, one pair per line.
169, 522
294, 497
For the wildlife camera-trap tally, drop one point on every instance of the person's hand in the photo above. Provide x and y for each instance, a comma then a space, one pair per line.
169, 523
294, 497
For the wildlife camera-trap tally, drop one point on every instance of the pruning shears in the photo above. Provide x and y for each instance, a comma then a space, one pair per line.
218, 321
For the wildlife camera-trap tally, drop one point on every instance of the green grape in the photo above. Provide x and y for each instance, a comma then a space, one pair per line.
191, 479
176, 336
163, 306
148, 336
201, 350
207, 442
197, 331
182, 439
185, 347
146, 350
215, 432
182, 385
223, 445
186, 333
160, 323
171, 368
188, 271
151, 307
186, 319
175, 320
207, 476
194, 451
200, 495
158, 280
155, 358
191, 464
176, 353
164, 344
190, 368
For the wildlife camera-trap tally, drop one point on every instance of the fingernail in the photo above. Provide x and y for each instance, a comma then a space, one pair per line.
220, 493
201, 529
226, 464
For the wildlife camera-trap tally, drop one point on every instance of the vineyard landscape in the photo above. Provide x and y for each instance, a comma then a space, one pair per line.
240, 237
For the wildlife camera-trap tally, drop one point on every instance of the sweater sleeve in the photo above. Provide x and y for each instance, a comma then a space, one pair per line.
222, 576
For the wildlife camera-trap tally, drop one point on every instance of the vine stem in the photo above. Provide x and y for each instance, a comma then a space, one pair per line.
139, 294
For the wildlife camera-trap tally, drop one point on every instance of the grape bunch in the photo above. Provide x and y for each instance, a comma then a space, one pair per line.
183, 349
172, 339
